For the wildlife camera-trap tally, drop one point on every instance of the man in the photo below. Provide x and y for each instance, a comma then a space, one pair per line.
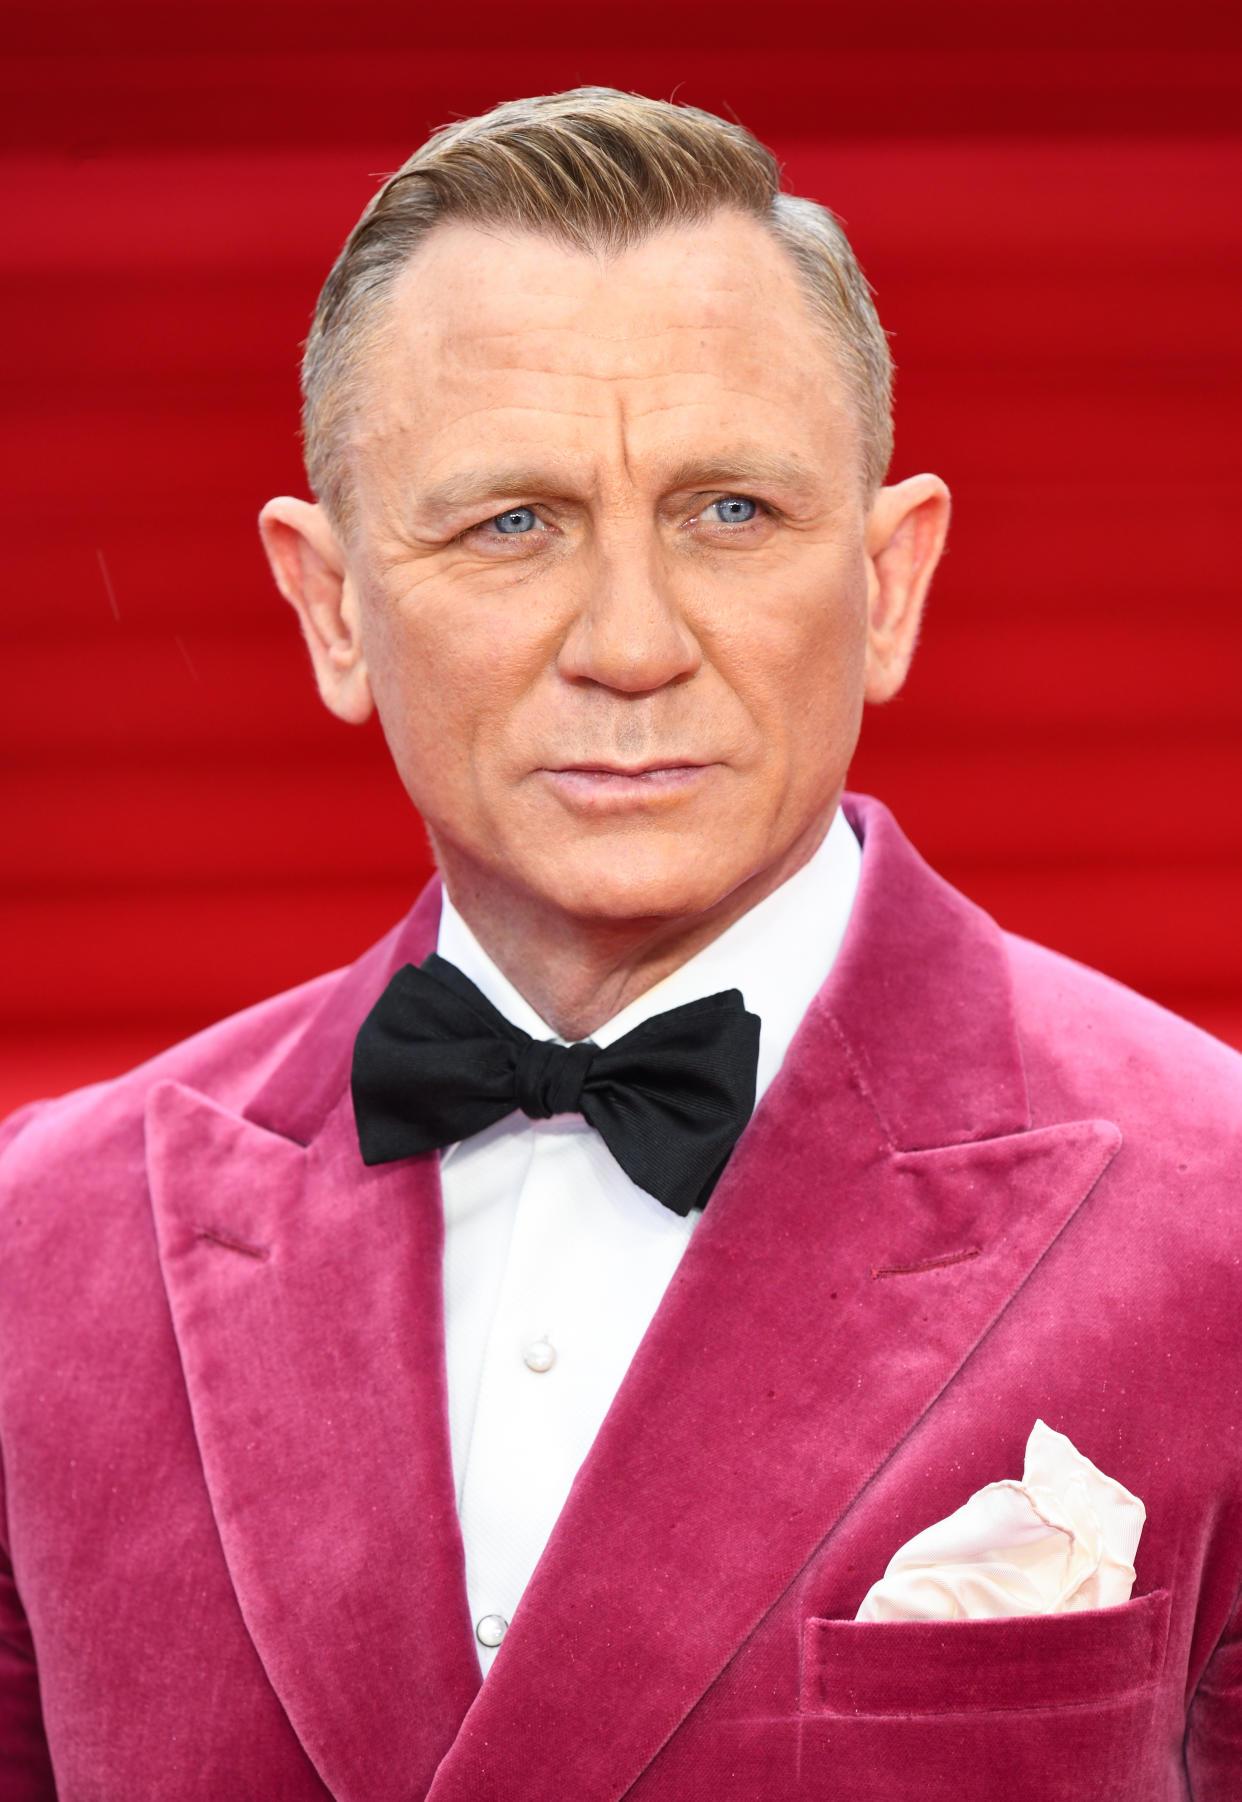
523, 1421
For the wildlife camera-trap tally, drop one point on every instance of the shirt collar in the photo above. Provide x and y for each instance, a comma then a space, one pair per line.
778, 954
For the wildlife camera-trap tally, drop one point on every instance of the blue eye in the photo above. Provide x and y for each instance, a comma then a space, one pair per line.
734, 510
517, 519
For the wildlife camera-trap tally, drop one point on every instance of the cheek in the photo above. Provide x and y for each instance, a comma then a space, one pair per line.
446, 679
799, 659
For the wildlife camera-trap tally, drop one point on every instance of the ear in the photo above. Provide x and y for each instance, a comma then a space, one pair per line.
905, 535
309, 567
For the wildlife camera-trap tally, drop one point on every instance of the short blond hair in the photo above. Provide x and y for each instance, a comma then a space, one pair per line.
596, 170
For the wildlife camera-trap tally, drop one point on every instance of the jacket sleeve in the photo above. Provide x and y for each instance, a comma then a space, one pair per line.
1214, 1726
25, 1767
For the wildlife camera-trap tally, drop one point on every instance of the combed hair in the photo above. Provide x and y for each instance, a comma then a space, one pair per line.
598, 171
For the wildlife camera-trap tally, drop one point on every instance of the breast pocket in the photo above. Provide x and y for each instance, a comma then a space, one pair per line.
1054, 1705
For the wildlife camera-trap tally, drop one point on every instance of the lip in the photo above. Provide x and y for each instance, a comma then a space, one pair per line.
612, 785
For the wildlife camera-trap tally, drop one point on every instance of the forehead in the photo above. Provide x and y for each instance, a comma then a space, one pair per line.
514, 339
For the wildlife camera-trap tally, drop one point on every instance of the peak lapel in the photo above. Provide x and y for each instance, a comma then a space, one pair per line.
306, 1297
846, 1267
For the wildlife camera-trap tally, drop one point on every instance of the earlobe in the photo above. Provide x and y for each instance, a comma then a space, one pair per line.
905, 537
310, 570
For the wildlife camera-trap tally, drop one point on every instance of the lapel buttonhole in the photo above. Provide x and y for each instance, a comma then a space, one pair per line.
917, 1269
211, 1235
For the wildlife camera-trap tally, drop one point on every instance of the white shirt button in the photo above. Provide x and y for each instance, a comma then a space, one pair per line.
491, 1629
539, 1355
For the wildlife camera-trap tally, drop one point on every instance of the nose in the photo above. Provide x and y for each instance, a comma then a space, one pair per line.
630, 634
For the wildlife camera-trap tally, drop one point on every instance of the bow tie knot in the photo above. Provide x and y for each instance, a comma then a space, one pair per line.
435, 1062
548, 1078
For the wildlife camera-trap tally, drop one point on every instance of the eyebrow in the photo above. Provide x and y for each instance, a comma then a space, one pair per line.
745, 464
739, 467
473, 487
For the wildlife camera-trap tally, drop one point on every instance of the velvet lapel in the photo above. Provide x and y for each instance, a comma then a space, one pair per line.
306, 1297
882, 1208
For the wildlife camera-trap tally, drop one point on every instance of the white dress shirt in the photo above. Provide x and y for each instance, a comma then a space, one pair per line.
555, 1262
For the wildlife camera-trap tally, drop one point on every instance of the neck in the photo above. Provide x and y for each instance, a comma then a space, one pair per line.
578, 973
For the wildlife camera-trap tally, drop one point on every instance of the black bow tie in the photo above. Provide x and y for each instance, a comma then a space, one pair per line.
435, 1062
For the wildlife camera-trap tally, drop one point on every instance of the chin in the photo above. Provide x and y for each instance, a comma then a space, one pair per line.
624, 886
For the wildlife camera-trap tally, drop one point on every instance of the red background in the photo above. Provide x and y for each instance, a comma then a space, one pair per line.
1046, 199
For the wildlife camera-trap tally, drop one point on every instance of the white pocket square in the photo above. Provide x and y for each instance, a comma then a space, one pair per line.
1062, 1539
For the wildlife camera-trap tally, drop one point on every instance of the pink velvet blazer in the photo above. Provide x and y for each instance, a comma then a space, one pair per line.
987, 1186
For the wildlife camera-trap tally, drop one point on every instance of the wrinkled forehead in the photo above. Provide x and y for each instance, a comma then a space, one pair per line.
722, 272
514, 337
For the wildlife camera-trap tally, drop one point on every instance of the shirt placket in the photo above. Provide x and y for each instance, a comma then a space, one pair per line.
589, 1259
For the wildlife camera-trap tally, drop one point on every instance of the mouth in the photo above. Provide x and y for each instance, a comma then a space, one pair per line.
611, 785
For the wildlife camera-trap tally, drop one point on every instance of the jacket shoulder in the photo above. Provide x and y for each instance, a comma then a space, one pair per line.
292, 1052
1093, 1046
229, 1062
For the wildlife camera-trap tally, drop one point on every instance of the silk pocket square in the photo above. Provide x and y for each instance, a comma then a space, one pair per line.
1062, 1539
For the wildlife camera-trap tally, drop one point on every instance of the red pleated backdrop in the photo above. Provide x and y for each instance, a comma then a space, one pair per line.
1047, 202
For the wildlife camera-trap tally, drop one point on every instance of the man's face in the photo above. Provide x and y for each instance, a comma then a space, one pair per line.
611, 566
